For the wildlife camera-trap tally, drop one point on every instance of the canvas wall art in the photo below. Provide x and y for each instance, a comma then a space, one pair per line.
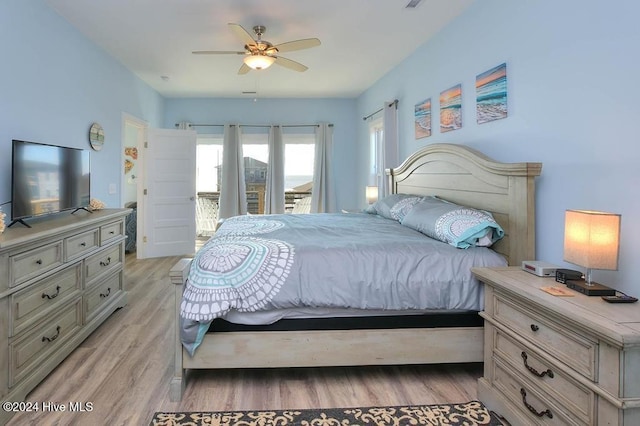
451, 109
423, 119
491, 94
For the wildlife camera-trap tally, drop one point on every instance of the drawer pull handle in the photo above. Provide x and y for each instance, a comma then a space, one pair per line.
107, 293
39, 261
47, 296
533, 370
534, 327
546, 412
51, 339
107, 263
111, 232
83, 244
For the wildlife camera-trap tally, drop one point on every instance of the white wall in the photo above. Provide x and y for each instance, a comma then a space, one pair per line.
573, 104
54, 83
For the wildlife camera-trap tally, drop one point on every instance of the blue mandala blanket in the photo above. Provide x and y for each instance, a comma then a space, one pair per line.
359, 261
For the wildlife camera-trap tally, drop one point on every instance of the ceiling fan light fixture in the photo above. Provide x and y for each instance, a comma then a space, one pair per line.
259, 62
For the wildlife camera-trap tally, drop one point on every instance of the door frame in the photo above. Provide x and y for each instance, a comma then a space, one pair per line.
141, 126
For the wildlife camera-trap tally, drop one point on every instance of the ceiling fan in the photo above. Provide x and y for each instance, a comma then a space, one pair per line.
260, 54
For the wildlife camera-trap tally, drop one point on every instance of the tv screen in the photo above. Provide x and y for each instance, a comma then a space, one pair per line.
48, 179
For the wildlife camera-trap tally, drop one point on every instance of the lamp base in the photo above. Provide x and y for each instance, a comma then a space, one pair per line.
594, 289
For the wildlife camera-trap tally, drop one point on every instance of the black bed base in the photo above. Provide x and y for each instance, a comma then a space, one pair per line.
434, 320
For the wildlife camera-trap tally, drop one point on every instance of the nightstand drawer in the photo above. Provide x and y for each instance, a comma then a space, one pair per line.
575, 350
550, 380
540, 408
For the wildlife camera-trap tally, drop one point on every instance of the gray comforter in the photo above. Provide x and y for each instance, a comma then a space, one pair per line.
357, 261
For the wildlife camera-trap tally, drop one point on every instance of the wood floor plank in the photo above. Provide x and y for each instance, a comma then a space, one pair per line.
125, 366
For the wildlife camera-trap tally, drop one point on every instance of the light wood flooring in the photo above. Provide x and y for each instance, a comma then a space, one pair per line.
123, 369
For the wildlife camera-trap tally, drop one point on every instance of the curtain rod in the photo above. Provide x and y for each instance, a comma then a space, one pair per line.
395, 102
252, 125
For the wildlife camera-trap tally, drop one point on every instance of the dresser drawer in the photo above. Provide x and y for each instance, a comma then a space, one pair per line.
101, 263
540, 408
78, 245
33, 347
35, 262
102, 295
111, 231
576, 351
29, 305
550, 380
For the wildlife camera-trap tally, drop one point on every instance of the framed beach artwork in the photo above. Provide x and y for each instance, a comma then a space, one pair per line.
423, 119
451, 109
491, 94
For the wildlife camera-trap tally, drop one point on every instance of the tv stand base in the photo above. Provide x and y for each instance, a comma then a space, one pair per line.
19, 221
81, 208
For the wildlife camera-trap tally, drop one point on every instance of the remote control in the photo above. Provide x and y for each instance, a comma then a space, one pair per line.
623, 298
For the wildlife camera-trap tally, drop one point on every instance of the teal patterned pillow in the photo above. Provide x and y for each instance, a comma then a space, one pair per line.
394, 206
460, 226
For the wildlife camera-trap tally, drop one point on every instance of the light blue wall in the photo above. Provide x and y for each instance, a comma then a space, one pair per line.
340, 112
573, 105
54, 83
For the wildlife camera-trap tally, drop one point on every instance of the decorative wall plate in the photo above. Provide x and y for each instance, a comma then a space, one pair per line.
96, 136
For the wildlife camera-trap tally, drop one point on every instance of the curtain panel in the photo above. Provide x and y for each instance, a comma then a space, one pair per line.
323, 193
390, 153
274, 193
233, 195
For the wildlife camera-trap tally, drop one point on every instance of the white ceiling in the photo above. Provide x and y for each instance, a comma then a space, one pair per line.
361, 41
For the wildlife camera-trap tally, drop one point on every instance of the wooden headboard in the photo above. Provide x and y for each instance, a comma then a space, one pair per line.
467, 177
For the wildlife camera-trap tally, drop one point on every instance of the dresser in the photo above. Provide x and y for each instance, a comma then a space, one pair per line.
59, 280
555, 360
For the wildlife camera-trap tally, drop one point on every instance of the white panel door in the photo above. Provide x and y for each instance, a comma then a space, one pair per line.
169, 193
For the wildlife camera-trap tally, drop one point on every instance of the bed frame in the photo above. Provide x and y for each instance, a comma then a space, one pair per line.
453, 172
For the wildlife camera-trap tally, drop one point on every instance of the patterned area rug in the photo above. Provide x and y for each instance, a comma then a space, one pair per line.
467, 414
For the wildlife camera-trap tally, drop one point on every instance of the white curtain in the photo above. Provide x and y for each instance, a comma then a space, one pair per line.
390, 153
274, 194
322, 193
233, 195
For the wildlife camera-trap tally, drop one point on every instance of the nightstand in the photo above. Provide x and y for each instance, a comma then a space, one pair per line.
557, 360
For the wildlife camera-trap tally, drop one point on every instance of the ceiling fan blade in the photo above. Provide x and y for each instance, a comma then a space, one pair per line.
293, 65
218, 52
242, 34
290, 46
244, 69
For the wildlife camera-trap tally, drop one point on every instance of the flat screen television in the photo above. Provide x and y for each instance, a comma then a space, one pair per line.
48, 179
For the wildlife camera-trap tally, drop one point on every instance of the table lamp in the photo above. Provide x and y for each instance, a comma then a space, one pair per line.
371, 194
591, 240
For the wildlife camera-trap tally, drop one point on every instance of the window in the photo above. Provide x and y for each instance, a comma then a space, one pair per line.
376, 135
299, 155
208, 162
299, 158
255, 150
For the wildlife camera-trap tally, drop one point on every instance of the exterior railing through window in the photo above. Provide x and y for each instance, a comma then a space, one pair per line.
207, 207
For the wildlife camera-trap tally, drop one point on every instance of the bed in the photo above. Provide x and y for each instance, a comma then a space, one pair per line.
382, 336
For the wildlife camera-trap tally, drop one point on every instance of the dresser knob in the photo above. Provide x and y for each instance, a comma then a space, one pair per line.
534, 327
546, 412
532, 370
39, 261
